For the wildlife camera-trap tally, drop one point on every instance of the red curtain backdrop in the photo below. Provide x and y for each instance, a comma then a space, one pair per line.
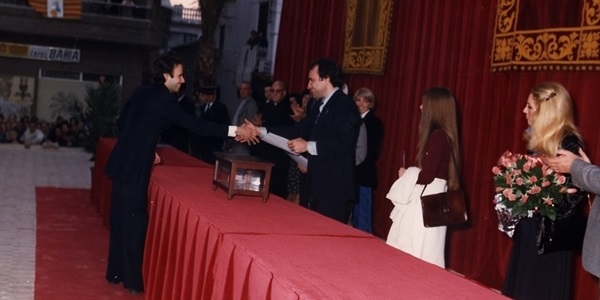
442, 43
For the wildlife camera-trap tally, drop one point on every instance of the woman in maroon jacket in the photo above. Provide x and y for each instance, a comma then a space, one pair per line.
437, 168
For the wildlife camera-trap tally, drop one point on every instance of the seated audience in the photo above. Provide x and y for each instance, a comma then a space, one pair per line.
33, 135
55, 139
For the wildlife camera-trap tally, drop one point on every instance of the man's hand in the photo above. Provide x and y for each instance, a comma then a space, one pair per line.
564, 159
298, 145
157, 159
247, 133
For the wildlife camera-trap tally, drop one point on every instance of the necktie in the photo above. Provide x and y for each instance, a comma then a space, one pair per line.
319, 105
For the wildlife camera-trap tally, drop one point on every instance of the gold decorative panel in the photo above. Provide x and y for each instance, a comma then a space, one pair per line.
367, 36
573, 45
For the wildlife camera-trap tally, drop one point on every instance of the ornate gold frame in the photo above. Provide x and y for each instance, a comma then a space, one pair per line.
365, 48
572, 49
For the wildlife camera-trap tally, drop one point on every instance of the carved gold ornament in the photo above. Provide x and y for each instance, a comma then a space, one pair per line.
564, 48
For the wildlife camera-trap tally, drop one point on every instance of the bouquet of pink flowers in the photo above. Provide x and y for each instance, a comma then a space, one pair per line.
524, 186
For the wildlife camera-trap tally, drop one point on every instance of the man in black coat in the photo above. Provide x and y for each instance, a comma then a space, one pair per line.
213, 111
141, 123
277, 112
328, 136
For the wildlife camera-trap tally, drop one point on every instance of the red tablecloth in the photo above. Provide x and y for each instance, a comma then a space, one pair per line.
101, 184
200, 245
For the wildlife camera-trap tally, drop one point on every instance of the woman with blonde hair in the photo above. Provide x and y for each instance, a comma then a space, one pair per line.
549, 114
437, 170
366, 171
541, 263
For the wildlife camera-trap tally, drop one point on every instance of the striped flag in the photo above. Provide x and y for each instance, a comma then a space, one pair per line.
67, 9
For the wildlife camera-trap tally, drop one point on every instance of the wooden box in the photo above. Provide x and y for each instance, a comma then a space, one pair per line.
242, 175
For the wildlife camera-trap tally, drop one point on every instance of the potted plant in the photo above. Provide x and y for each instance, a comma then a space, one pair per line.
103, 107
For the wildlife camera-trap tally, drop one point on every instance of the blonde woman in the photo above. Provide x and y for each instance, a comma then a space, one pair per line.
366, 171
537, 269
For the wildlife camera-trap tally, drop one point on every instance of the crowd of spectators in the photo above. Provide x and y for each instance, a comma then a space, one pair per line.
30, 131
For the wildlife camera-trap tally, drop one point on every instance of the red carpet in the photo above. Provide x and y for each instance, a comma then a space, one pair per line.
72, 245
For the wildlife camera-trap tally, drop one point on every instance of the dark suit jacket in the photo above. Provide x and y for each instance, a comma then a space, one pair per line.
141, 123
366, 171
275, 115
176, 135
203, 147
217, 113
331, 173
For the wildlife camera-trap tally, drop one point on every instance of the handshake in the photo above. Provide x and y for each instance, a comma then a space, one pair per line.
247, 133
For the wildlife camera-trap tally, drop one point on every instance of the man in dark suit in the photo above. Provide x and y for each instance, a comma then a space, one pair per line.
214, 111
140, 124
276, 113
328, 136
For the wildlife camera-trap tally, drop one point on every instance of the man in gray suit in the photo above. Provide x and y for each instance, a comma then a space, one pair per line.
586, 176
246, 110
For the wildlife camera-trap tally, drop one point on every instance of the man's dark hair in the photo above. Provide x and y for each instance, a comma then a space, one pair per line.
329, 69
163, 64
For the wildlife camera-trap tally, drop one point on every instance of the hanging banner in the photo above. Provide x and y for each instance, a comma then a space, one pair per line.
65, 9
537, 35
40, 52
368, 24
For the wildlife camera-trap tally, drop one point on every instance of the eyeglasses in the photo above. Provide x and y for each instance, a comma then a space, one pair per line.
278, 91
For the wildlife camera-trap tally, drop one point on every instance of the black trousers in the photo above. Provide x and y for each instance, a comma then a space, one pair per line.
337, 210
128, 226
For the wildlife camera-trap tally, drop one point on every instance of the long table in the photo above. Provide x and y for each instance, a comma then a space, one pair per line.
200, 245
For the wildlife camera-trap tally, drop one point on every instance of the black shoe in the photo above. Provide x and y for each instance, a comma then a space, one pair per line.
114, 280
135, 291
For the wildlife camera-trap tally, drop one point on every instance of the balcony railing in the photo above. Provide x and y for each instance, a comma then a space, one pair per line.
102, 7
186, 15
116, 9
14, 2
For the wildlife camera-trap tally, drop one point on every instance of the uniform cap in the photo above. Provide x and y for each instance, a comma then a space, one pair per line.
208, 89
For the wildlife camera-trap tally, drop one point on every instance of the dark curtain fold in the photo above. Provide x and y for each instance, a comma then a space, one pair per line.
442, 43
553, 14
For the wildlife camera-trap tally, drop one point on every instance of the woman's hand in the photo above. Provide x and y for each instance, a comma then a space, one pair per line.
401, 172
